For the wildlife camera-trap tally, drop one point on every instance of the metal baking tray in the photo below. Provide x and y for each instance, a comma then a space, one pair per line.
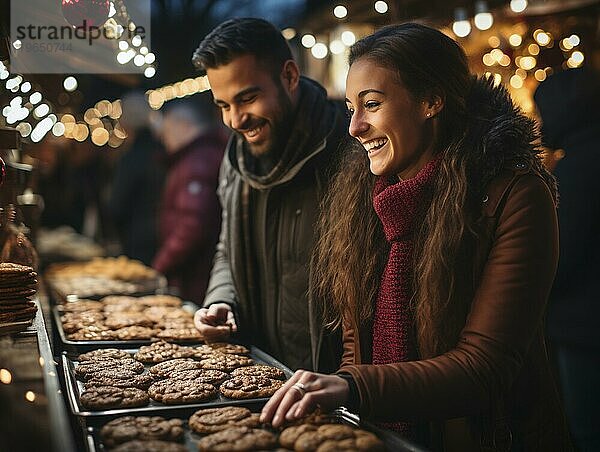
74, 388
393, 441
143, 287
77, 347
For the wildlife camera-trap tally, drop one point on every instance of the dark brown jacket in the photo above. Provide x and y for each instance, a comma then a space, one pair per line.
493, 390
499, 367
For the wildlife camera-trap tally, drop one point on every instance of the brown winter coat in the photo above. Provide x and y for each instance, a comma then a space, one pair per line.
494, 389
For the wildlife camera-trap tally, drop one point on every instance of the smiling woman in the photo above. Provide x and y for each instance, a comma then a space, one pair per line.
395, 128
437, 250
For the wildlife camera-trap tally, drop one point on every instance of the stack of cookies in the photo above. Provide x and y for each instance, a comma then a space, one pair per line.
17, 288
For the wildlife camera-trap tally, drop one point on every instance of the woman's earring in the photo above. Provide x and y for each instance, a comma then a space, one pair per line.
429, 115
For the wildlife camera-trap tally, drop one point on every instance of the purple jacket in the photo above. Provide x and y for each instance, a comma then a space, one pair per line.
190, 216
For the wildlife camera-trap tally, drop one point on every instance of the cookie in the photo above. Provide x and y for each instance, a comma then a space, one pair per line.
335, 431
212, 420
260, 370
114, 321
25, 313
174, 392
150, 446
162, 314
16, 292
92, 333
10, 268
224, 347
72, 322
160, 351
180, 334
111, 309
210, 376
166, 368
119, 379
15, 305
23, 283
135, 332
176, 324
225, 363
330, 438
130, 428
107, 397
249, 387
161, 300
103, 353
289, 436
366, 442
119, 299
81, 305
238, 438
87, 368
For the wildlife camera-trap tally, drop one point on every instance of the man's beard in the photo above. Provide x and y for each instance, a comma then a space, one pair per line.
281, 127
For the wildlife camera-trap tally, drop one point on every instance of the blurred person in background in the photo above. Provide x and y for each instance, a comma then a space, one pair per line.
138, 182
567, 103
190, 215
277, 167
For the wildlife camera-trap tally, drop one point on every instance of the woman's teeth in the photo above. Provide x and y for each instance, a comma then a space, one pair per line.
375, 144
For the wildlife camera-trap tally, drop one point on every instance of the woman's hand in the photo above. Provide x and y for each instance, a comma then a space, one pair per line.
302, 394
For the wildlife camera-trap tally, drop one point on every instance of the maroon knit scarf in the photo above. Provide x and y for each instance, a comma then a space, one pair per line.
401, 207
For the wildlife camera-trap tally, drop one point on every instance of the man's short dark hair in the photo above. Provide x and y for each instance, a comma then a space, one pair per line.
243, 36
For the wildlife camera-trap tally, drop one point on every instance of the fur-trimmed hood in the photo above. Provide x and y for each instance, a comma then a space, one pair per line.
499, 134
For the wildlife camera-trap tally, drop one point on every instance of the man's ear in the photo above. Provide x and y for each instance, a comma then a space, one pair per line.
290, 76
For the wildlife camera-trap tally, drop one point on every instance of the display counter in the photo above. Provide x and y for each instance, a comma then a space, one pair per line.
33, 414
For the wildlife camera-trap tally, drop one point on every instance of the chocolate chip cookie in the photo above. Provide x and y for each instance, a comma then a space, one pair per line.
81, 306
92, 333
87, 368
180, 334
166, 368
238, 438
249, 387
288, 437
130, 428
160, 351
211, 420
118, 320
260, 371
107, 397
225, 363
161, 300
119, 379
224, 347
135, 332
333, 438
174, 392
210, 376
102, 354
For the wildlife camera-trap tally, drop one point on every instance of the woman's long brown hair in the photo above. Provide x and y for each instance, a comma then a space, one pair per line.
351, 250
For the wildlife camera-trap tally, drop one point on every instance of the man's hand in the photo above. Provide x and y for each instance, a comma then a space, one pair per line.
216, 322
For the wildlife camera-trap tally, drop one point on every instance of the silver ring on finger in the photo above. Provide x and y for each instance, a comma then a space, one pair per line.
300, 388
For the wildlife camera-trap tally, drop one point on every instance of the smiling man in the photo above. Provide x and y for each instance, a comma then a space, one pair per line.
276, 170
